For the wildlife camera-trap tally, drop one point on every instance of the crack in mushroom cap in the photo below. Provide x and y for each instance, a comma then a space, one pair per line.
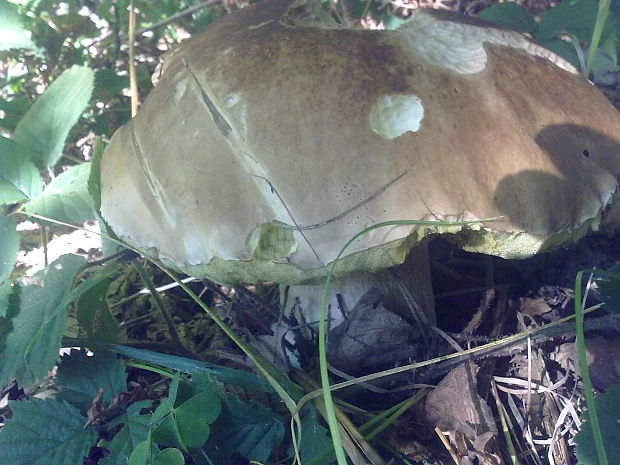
266, 118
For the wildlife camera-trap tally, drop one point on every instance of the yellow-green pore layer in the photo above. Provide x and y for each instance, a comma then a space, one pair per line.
472, 238
275, 136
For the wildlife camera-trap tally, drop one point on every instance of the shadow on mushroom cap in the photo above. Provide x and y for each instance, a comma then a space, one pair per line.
588, 165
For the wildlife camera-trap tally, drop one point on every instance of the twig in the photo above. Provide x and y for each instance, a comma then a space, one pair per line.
177, 15
133, 82
174, 335
354, 207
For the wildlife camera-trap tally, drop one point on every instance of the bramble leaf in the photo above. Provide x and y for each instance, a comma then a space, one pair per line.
19, 178
509, 15
251, 429
80, 377
9, 246
94, 315
45, 126
33, 345
45, 432
66, 198
12, 33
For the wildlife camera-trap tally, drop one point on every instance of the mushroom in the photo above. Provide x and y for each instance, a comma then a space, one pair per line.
275, 135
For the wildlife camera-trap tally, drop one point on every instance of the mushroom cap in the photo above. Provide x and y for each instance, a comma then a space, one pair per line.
274, 136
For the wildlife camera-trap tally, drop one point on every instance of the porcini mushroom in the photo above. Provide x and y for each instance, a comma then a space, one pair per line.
275, 135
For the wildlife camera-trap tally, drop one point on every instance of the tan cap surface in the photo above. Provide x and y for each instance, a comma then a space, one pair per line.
270, 120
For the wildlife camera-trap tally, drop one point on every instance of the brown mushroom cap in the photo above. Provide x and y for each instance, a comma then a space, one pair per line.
274, 136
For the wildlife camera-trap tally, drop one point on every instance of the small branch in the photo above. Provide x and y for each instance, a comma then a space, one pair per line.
176, 16
133, 82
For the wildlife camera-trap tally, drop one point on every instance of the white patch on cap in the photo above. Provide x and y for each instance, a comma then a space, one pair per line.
394, 115
231, 100
179, 91
459, 46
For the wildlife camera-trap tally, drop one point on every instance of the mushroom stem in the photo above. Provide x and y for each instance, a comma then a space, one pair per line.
406, 290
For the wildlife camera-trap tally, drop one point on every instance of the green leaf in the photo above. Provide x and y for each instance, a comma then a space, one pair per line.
250, 429
94, 316
94, 177
108, 83
45, 432
9, 246
169, 456
509, 15
608, 412
135, 429
66, 198
14, 110
167, 432
194, 416
141, 454
32, 346
12, 33
576, 17
166, 406
80, 377
564, 49
608, 289
19, 178
316, 446
188, 424
44, 128
196, 368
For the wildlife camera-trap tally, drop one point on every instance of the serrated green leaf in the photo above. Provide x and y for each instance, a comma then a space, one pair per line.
9, 246
94, 316
66, 198
32, 346
44, 128
14, 110
135, 429
250, 429
509, 15
45, 432
608, 412
316, 446
12, 33
94, 177
19, 178
169, 456
11, 310
80, 377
